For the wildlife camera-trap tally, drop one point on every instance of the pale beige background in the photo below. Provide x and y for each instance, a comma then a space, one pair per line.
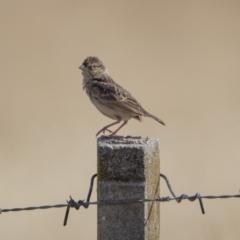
181, 59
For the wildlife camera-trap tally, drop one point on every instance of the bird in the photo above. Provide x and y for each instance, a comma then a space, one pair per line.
109, 97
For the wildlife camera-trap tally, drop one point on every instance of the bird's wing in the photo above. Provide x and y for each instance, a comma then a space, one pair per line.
115, 96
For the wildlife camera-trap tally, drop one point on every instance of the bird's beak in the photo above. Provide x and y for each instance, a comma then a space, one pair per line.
82, 67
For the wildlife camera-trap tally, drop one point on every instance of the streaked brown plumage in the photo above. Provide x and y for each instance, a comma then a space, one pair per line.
110, 98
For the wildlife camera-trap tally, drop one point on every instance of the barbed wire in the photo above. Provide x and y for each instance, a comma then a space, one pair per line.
77, 204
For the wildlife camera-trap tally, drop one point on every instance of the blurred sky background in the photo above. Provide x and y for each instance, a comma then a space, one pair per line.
180, 59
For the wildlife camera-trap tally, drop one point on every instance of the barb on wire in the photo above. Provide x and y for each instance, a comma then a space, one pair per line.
80, 203
85, 204
183, 196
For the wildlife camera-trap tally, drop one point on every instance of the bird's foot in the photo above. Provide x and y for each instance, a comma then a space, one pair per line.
106, 130
103, 131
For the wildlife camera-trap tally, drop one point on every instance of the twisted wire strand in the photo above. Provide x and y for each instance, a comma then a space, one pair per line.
162, 199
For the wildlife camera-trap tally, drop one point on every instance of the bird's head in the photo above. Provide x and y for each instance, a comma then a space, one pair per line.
92, 67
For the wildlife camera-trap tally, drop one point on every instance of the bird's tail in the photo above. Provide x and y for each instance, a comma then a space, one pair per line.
147, 114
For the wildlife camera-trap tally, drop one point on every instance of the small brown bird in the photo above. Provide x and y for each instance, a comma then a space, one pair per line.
108, 97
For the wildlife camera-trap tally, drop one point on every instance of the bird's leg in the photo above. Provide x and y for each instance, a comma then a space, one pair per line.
106, 127
107, 130
124, 123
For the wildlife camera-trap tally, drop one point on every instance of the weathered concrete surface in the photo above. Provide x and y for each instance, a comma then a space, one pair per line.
128, 168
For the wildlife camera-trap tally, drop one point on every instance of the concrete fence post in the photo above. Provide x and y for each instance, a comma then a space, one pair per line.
128, 168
